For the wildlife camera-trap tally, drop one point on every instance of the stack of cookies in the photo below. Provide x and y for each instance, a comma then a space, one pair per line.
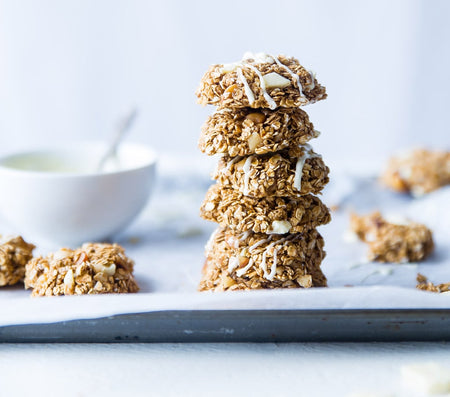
267, 177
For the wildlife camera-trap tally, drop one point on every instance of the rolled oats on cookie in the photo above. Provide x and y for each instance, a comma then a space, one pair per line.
91, 269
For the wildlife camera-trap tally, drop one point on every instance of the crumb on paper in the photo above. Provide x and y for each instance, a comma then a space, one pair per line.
429, 378
90, 269
391, 242
418, 171
134, 240
189, 231
425, 285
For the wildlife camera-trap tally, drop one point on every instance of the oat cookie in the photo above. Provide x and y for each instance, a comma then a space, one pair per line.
425, 285
271, 215
241, 261
245, 131
260, 81
289, 173
91, 269
419, 171
393, 242
14, 255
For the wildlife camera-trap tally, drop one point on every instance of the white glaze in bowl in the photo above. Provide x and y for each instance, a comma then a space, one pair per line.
57, 195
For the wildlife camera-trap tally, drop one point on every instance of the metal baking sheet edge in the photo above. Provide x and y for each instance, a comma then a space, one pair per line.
243, 326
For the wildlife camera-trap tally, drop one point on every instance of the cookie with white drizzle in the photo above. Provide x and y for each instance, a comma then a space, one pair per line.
260, 81
288, 173
243, 261
271, 215
245, 131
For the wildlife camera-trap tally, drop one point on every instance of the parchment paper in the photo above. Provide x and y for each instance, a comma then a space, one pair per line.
167, 244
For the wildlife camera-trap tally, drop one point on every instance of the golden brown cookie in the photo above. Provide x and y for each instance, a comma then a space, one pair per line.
391, 242
14, 255
245, 131
260, 81
91, 269
418, 172
289, 173
244, 261
271, 215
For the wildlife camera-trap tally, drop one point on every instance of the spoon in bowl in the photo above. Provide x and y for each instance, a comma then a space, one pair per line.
124, 126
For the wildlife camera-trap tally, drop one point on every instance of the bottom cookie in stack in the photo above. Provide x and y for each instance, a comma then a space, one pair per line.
242, 261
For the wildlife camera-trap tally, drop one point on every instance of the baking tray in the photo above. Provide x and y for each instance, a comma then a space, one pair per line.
243, 326
365, 301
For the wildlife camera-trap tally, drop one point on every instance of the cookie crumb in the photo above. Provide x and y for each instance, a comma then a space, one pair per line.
418, 171
15, 252
425, 285
391, 242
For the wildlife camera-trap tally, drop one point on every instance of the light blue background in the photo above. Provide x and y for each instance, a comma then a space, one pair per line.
69, 69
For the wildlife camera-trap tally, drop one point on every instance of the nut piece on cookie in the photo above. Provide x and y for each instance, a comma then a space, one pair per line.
247, 261
91, 269
425, 285
14, 255
260, 81
418, 172
393, 242
245, 131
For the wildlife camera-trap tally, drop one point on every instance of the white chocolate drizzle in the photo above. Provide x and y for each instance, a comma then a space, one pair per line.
233, 161
292, 74
312, 75
307, 154
247, 89
209, 244
258, 243
273, 270
242, 271
272, 104
244, 236
259, 58
233, 263
246, 169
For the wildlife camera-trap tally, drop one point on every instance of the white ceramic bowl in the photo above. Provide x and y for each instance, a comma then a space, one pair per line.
56, 195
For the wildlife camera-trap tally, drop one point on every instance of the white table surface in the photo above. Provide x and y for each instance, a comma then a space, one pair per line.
300, 369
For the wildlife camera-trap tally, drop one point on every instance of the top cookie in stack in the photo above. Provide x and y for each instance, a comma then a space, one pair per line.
260, 81
266, 178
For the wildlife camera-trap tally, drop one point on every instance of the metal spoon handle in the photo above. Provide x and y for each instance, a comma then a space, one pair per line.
124, 126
